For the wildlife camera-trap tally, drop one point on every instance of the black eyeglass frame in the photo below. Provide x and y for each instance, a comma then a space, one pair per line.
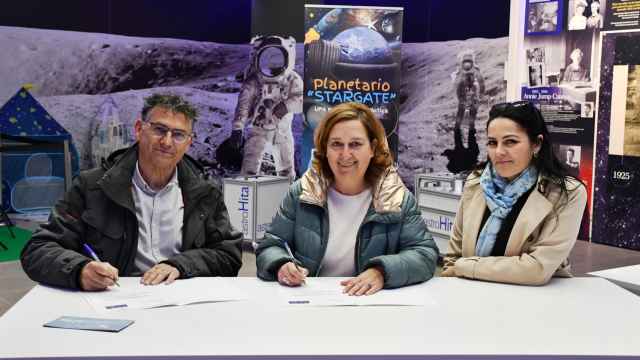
156, 128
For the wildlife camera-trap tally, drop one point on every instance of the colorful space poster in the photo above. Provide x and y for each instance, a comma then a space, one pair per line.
351, 54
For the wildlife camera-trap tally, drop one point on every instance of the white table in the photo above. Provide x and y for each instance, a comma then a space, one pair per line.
579, 316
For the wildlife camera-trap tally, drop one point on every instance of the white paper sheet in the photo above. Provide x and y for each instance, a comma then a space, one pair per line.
627, 277
319, 292
133, 295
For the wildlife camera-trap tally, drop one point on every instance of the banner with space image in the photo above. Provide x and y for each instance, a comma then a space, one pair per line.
351, 54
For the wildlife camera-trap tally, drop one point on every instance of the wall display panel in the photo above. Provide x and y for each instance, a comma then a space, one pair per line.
616, 212
558, 73
622, 15
570, 121
586, 83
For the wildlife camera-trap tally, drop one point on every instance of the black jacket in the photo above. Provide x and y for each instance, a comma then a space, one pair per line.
99, 210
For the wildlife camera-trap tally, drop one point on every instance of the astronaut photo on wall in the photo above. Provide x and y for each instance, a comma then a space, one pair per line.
468, 84
271, 94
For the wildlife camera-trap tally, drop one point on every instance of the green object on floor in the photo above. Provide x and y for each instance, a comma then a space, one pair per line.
12, 246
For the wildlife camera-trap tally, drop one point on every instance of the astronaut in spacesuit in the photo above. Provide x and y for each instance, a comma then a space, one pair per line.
271, 94
469, 87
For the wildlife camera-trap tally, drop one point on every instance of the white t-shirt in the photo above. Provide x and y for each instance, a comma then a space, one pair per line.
346, 213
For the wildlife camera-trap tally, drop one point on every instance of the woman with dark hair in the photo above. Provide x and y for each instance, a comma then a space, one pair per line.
349, 215
595, 20
520, 211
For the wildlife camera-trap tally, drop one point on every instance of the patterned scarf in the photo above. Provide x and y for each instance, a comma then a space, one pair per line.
500, 196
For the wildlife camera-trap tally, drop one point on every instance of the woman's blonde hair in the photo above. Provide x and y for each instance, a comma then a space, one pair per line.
382, 158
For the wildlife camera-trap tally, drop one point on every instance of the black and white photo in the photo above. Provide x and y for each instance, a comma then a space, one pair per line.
577, 17
543, 17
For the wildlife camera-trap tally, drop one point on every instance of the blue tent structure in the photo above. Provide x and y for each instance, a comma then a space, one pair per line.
38, 156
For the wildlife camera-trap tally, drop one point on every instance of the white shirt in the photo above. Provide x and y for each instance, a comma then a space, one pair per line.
346, 213
160, 216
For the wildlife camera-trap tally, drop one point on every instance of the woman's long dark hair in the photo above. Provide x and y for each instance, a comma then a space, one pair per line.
530, 119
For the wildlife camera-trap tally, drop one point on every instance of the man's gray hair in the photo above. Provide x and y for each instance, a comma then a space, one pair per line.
170, 102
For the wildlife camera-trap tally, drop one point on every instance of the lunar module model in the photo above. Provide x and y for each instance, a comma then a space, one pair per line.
108, 133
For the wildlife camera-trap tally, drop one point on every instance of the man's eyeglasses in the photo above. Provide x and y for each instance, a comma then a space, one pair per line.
160, 131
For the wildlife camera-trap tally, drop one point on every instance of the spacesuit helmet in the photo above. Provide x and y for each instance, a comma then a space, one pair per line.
273, 56
467, 59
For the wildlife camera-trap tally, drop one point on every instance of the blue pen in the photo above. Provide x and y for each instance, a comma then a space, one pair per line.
93, 255
293, 260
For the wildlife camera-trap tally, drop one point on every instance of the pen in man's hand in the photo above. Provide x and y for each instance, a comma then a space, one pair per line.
95, 257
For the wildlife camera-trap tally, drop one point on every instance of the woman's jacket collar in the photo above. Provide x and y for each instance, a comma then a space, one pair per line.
387, 193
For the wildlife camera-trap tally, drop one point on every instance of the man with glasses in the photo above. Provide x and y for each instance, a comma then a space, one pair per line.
146, 212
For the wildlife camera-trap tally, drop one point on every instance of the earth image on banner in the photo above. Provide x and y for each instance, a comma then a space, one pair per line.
361, 45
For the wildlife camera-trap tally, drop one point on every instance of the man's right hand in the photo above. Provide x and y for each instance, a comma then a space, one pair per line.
96, 276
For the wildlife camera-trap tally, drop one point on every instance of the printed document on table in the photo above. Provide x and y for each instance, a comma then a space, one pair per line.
628, 274
133, 295
627, 277
328, 292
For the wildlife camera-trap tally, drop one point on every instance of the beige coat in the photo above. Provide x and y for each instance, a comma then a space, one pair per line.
542, 237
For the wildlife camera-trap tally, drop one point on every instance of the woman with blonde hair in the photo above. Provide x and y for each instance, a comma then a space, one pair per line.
349, 215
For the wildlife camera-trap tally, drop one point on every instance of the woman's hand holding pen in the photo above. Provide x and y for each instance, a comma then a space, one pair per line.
367, 283
291, 274
96, 275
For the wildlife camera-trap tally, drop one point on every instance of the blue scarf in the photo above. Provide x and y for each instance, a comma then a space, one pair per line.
500, 196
